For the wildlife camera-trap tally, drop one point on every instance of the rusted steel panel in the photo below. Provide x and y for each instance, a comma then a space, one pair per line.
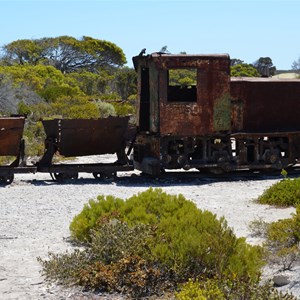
79, 137
11, 131
167, 61
265, 105
211, 111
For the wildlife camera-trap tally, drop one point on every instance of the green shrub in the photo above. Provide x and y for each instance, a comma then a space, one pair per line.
92, 213
34, 136
187, 239
166, 233
230, 289
105, 109
282, 241
283, 193
112, 262
258, 228
195, 290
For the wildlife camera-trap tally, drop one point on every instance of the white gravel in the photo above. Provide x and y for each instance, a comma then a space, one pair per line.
35, 214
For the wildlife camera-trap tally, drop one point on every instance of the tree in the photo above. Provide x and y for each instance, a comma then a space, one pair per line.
235, 61
65, 53
23, 52
244, 70
264, 66
46, 81
91, 83
296, 66
125, 82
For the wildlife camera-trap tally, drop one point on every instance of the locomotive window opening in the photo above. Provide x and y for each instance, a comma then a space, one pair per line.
182, 85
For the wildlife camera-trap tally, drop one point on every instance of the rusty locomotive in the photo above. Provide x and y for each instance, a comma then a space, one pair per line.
214, 123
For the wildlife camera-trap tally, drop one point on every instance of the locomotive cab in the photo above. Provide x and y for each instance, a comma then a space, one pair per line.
183, 112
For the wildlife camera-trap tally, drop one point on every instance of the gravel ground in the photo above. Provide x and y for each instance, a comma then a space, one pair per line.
36, 213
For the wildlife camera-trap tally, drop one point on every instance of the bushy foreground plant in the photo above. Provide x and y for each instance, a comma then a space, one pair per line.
212, 289
282, 240
283, 193
150, 243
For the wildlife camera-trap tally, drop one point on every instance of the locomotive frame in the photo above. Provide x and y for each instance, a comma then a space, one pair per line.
219, 123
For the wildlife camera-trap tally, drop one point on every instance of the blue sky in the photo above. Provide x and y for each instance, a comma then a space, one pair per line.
245, 29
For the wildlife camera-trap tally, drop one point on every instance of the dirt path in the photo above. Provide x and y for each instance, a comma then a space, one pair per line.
35, 214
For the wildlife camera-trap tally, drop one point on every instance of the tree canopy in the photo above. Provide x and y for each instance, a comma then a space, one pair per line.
264, 66
65, 53
244, 70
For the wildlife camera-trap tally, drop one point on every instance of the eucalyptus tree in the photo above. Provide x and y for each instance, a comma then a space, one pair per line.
65, 53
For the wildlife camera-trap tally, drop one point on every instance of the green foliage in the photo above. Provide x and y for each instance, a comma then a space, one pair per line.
244, 70
182, 77
105, 109
36, 77
166, 231
34, 136
124, 109
195, 290
82, 224
282, 241
74, 108
111, 262
91, 83
23, 109
52, 92
283, 193
258, 228
231, 289
265, 62
125, 81
65, 53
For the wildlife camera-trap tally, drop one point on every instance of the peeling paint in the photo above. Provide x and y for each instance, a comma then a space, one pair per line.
222, 114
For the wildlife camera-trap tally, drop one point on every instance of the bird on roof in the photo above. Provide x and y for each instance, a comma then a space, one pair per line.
142, 52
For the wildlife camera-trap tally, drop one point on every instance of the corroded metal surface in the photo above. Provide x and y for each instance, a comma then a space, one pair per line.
79, 137
202, 108
265, 105
213, 122
11, 131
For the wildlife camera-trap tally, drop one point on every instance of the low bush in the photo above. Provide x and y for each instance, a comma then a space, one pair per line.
282, 241
186, 238
283, 193
149, 244
229, 289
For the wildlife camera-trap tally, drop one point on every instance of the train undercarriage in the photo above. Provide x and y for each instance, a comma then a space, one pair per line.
222, 153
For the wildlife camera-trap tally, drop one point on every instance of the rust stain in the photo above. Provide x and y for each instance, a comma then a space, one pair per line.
79, 137
11, 131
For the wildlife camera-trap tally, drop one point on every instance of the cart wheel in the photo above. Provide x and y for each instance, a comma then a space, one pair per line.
7, 179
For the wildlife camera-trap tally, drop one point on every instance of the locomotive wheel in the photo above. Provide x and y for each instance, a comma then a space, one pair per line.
7, 179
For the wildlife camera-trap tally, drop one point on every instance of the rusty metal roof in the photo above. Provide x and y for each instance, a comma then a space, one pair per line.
175, 60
